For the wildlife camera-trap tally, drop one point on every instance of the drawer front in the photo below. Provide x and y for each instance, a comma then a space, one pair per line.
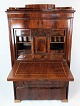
40, 94
38, 23
40, 84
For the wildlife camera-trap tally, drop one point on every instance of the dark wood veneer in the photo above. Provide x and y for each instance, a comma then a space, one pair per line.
40, 43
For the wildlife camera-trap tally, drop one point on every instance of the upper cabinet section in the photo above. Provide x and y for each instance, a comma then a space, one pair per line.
41, 31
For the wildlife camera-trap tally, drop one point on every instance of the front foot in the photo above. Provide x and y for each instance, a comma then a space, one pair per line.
17, 101
64, 100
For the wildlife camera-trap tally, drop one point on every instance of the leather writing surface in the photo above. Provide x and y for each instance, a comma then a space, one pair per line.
45, 70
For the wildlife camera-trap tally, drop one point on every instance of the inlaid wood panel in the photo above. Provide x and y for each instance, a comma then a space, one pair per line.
40, 44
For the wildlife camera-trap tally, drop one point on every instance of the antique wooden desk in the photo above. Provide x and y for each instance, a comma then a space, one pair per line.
40, 43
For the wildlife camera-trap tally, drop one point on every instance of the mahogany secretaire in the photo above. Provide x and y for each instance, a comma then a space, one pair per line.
40, 43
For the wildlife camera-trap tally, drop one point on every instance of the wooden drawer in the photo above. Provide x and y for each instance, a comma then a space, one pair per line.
40, 94
46, 84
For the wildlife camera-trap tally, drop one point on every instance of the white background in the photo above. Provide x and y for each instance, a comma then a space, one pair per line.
6, 88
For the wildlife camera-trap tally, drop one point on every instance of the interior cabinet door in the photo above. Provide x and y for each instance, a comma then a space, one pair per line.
40, 44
